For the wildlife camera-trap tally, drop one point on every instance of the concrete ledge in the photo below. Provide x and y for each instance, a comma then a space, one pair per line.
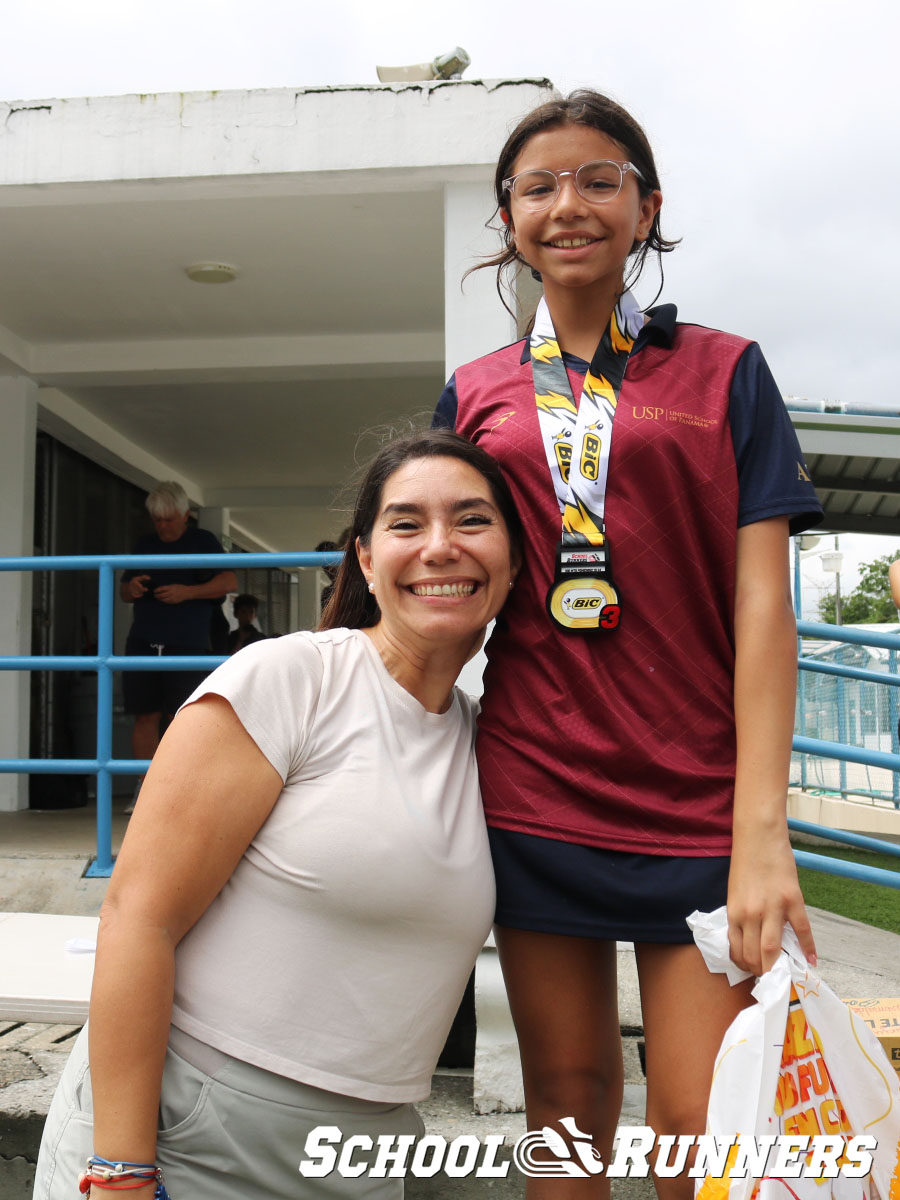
877, 819
32, 1057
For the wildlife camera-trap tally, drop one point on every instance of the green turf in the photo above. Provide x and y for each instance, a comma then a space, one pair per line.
869, 902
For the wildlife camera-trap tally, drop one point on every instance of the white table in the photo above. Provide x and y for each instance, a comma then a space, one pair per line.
40, 979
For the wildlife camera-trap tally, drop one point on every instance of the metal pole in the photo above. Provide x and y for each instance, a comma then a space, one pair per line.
895, 733
842, 731
801, 682
103, 864
838, 607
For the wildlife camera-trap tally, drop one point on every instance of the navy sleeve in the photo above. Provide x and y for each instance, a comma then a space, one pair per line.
772, 477
445, 413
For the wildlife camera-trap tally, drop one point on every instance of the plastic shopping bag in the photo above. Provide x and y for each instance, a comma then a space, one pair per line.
798, 1063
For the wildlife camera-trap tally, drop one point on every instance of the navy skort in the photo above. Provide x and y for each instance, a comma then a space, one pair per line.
581, 891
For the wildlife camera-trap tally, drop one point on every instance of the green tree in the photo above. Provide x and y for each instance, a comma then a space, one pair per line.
869, 602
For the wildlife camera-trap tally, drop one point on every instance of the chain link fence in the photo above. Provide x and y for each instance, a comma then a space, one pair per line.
849, 711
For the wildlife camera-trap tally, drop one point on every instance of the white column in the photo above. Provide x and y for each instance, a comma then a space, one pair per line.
475, 322
216, 520
18, 418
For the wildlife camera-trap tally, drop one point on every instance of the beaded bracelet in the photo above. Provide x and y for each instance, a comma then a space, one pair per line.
121, 1176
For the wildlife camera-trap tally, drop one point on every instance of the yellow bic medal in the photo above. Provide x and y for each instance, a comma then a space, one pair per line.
580, 601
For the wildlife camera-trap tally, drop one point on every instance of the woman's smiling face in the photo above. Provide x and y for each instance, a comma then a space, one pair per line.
572, 242
439, 553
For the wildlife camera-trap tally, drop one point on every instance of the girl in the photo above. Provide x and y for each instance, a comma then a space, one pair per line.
635, 734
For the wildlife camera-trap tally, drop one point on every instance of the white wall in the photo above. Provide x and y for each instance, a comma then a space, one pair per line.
18, 419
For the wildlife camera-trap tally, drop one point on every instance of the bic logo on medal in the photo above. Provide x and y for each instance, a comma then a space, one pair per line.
584, 602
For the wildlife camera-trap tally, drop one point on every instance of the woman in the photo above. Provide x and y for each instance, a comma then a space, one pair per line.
636, 724
306, 883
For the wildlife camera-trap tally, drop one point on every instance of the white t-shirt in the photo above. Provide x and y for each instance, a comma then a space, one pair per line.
338, 951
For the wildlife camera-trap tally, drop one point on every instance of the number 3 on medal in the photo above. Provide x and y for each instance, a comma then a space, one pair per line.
609, 616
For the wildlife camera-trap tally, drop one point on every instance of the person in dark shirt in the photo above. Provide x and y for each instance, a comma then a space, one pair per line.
245, 608
172, 612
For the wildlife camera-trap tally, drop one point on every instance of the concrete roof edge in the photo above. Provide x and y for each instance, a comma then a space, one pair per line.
36, 102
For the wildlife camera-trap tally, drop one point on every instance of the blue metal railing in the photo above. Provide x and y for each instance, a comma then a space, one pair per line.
845, 753
852, 870
105, 662
840, 749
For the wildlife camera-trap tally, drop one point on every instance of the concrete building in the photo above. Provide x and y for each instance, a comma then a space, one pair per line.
339, 223
348, 216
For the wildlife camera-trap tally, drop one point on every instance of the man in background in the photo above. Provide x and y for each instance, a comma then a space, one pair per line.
172, 613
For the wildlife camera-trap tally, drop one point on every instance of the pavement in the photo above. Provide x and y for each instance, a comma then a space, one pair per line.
43, 856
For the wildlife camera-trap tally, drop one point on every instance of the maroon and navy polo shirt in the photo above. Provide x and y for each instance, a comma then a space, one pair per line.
626, 740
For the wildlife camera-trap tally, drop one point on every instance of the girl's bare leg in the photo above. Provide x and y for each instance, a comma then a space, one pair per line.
562, 992
686, 1012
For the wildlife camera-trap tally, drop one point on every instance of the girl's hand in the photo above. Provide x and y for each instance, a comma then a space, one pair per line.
763, 894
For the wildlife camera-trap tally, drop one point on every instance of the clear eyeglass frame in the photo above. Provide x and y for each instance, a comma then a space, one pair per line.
597, 182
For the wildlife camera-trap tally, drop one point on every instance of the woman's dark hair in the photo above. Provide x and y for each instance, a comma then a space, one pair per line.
352, 605
584, 107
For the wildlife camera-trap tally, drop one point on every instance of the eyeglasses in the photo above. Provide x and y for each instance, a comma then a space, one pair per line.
596, 182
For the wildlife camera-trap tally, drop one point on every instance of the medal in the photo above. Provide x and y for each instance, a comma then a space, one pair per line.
577, 442
583, 596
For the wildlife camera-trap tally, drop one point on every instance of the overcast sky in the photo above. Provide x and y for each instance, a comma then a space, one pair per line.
774, 122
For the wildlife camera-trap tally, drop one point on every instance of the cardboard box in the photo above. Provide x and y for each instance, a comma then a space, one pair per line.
883, 1018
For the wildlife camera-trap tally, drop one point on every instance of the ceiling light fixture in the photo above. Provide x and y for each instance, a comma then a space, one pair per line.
211, 272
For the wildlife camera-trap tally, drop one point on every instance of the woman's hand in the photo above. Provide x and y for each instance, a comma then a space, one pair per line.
763, 894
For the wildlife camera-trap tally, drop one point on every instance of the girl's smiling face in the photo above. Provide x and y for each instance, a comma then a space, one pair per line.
439, 554
574, 243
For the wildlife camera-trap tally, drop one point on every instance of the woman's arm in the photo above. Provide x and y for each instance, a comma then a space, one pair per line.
208, 790
763, 890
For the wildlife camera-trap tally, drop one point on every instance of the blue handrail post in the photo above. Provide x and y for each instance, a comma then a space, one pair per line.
801, 704
801, 682
842, 732
893, 717
103, 864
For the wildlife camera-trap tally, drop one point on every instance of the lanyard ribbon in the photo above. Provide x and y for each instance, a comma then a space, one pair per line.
577, 440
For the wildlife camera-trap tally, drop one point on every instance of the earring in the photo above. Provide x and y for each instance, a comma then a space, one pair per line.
511, 582
371, 586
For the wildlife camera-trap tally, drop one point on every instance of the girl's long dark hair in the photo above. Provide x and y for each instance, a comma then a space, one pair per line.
352, 605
